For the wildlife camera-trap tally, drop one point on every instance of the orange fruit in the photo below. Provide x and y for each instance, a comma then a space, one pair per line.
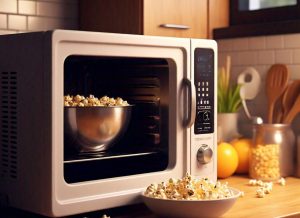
242, 146
227, 160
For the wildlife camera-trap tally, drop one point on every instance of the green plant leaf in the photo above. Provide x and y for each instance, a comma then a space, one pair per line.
229, 100
236, 98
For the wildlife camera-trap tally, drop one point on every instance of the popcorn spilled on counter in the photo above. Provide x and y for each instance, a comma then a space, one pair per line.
260, 193
189, 188
264, 187
281, 181
242, 194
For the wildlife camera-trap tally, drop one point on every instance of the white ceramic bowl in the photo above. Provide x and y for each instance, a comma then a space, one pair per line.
190, 208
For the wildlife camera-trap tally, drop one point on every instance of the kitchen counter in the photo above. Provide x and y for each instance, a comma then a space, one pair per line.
284, 201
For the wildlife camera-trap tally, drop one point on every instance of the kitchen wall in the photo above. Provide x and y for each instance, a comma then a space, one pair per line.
261, 52
35, 15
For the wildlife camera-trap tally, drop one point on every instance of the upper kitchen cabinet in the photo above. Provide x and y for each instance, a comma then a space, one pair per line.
218, 15
179, 18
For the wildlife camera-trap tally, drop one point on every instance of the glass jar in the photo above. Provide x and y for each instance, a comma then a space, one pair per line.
272, 152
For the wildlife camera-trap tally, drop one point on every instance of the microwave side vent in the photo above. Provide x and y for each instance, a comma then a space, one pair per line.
9, 145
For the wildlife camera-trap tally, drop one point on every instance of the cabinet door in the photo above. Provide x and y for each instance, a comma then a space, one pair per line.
218, 15
170, 17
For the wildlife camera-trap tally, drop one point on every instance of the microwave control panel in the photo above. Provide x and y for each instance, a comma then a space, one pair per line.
204, 83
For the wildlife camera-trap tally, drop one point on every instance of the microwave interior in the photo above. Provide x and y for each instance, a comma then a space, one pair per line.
144, 83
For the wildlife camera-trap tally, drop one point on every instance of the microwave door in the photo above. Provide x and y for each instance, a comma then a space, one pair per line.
203, 131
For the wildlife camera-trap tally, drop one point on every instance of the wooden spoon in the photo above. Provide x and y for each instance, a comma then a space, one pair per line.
293, 112
289, 97
278, 110
277, 79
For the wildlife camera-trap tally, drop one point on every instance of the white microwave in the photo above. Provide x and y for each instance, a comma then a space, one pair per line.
170, 81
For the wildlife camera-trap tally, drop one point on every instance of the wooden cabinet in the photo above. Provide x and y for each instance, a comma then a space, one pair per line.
179, 18
218, 15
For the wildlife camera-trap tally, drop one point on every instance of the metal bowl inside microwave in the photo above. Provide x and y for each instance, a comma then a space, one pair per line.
95, 129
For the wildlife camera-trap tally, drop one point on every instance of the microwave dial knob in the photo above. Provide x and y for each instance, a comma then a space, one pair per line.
204, 154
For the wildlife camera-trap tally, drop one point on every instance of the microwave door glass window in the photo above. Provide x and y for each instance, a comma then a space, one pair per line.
251, 5
143, 146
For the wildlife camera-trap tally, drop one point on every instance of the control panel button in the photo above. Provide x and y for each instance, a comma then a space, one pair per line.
204, 154
206, 115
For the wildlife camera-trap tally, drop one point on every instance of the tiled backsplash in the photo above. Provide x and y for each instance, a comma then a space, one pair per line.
34, 15
258, 52
261, 52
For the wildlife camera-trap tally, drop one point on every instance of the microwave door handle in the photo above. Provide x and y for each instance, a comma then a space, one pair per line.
191, 112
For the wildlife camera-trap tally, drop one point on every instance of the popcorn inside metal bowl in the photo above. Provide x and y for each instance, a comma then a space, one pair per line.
93, 125
81, 101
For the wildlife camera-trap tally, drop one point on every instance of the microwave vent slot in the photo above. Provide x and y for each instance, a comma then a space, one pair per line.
9, 145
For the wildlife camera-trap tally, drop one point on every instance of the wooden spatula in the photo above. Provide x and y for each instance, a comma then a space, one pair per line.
289, 97
276, 82
293, 112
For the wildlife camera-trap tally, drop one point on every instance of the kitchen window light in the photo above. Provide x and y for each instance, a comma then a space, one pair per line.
263, 11
261, 17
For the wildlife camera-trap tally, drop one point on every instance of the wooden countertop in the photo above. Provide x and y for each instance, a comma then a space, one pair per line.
283, 201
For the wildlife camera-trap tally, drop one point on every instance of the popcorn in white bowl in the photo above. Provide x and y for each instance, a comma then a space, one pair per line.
190, 197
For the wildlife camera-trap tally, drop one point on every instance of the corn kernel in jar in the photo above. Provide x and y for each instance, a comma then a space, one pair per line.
264, 162
272, 151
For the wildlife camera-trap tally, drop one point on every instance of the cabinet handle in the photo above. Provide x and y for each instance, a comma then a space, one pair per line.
175, 26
